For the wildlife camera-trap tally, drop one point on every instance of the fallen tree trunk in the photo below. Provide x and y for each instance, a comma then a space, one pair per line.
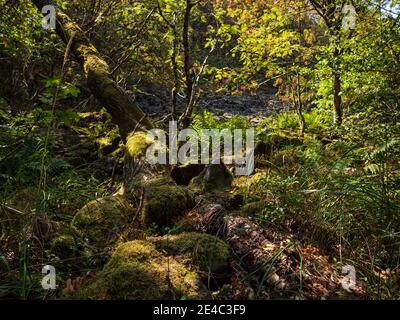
125, 113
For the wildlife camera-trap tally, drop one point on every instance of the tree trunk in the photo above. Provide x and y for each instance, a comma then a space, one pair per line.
337, 99
187, 117
124, 112
299, 109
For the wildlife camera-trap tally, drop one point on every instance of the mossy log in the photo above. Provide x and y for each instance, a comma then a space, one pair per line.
125, 113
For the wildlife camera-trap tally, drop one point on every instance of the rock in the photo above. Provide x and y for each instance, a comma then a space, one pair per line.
253, 208
137, 271
215, 177
137, 144
163, 204
207, 252
157, 182
64, 246
102, 222
182, 175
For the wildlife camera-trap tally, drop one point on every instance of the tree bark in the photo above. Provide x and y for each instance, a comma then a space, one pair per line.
175, 67
124, 112
337, 100
337, 88
187, 117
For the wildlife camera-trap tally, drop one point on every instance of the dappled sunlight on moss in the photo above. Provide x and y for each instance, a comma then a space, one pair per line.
204, 251
164, 204
137, 144
102, 222
138, 271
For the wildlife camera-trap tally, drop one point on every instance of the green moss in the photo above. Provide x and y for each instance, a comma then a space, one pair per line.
137, 144
158, 182
101, 221
137, 271
206, 252
63, 246
164, 203
253, 208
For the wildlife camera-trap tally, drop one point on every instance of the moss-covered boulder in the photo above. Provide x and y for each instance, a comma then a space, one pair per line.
138, 143
164, 204
64, 246
102, 222
215, 177
254, 207
157, 182
204, 251
137, 271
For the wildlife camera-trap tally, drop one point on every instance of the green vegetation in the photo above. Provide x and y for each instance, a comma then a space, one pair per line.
76, 189
164, 204
207, 252
137, 271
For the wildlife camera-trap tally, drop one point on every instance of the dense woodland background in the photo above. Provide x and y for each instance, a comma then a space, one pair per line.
77, 193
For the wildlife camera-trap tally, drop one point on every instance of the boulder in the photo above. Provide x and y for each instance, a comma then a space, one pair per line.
103, 222
64, 246
215, 177
164, 204
206, 252
137, 271
137, 144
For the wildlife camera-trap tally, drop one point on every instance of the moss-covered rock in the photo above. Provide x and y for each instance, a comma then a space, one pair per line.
158, 182
138, 143
164, 204
137, 271
207, 252
101, 222
215, 177
64, 246
254, 207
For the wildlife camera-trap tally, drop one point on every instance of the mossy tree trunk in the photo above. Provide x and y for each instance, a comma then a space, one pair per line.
125, 113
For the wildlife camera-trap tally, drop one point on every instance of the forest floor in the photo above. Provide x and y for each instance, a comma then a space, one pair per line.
268, 258
265, 262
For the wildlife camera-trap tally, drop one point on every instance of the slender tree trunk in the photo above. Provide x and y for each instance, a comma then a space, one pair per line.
300, 114
187, 117
294, 90
125, 113
175, 67
337, 99
175, 90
